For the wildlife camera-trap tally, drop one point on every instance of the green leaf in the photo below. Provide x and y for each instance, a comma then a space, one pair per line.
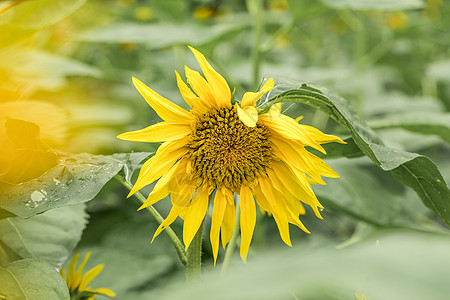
411, 169
426, 123
31, 279
159, 35
50, 236
367, 193
374, 5
438, 70
76, 179
403, 266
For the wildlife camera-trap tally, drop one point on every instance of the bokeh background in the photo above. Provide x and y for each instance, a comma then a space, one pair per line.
66, 66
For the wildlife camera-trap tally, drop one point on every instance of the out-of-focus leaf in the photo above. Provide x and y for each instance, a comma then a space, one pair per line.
76, 179
40, 69
159, 35
426, 123
438, 70
396, 103
374, 5
28, 17
402, 266
32, 279
413, 170
39, 14
50, 236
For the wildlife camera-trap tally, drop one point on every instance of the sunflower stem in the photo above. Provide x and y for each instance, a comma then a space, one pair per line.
232, 244
157, 216
194, 256
255, 7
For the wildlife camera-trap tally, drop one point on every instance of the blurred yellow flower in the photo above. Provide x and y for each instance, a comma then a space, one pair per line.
278, 5
78, 282
397, 20
28, 132
143, 13
218, 149
204, 12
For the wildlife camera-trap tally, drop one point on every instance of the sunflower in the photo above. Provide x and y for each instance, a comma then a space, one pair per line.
218, 149
78, 282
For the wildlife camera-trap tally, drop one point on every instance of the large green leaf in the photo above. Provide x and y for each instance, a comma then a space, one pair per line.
353, 194
393, 266
31, 279
76, 179
428, 123
50, 236
374, 5
413, 170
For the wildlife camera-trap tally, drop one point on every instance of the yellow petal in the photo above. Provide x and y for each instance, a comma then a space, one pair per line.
248, 115
296, 157
173, 214
321, 137
89, 276
279, 209
191, 99
161, 188
286, 127
104, 291
250, 98
294, 154
159, 132
275, 109
229, 219
195, 214
71, 277
79, 272
166, 155
220, 204
217, 83
290, 190
200, 87
248, 219
167, 110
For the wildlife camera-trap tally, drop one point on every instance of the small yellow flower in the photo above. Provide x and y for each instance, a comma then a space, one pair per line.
217, 150
397, 20
204, 12
78, 282
143, 13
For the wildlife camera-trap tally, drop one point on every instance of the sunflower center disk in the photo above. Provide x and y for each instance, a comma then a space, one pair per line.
225, 152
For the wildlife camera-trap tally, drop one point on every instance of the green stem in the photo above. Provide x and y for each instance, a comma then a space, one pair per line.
169, 231
232, 244
255, 8
194, 256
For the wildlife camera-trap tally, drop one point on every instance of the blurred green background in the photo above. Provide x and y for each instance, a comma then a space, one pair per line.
390, 59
